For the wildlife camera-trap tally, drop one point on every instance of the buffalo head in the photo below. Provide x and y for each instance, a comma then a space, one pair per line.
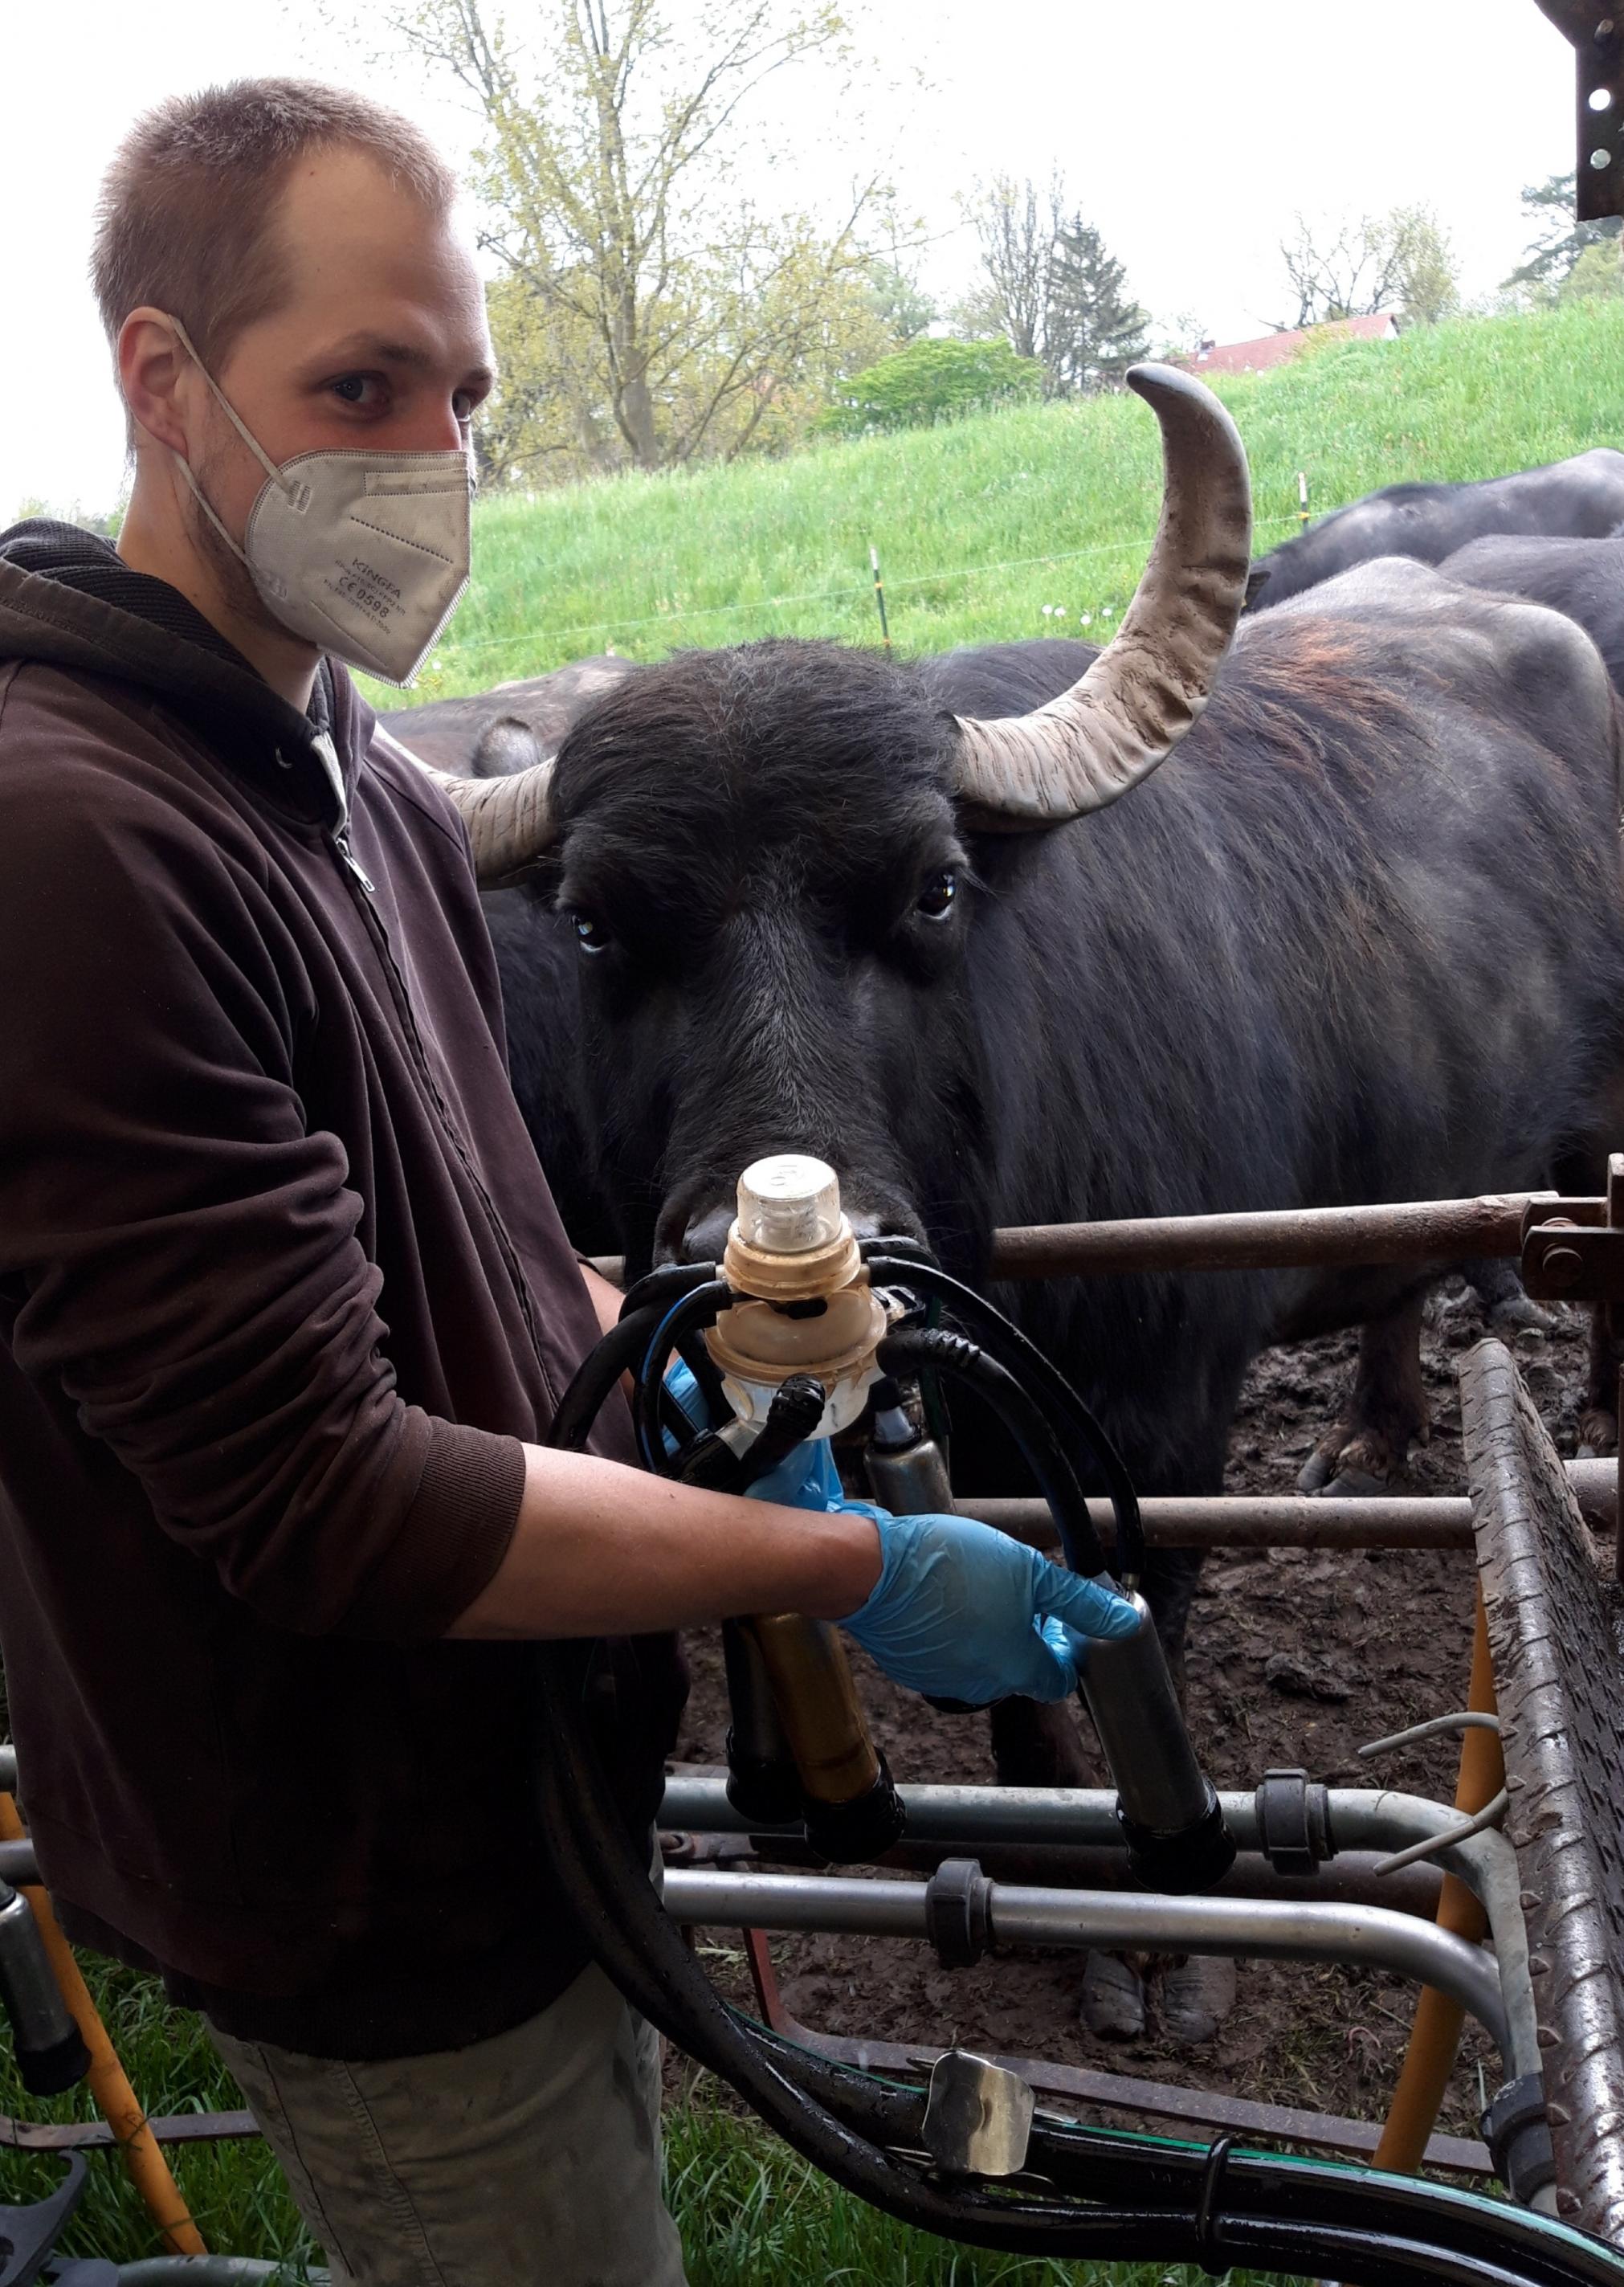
765, 856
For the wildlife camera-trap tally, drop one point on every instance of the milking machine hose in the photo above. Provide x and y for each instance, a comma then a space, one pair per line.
1214, 2205
898, 1263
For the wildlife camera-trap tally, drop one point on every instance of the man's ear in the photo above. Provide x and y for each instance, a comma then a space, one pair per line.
152, 370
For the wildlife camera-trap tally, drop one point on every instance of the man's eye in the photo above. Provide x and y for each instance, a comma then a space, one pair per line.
360, 389
591, 934
936, 899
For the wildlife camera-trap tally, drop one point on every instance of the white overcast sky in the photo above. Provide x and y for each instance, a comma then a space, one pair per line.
1190, 131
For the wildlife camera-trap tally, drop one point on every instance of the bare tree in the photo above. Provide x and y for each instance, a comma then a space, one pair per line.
1354, 267
648, 311
1347, 269
1017, 229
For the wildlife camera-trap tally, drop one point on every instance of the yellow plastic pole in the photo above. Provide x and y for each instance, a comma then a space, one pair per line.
115, 2100
1435, 2032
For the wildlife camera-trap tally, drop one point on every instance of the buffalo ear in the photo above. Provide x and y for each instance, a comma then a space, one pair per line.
1256, 580
508, 745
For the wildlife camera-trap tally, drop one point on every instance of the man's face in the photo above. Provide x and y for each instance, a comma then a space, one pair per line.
380, 342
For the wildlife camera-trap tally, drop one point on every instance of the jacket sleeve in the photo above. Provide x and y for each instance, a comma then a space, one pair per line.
178, 1254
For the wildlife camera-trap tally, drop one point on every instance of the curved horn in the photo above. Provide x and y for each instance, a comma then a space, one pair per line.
1128, 713
510, 819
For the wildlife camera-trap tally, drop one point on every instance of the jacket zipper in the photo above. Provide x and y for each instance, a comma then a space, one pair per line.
339, 837
339, 834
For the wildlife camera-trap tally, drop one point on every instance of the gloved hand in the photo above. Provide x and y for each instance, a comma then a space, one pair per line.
960, 1611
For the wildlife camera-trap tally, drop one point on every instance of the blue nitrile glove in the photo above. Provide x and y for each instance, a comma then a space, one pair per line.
680, 1382
960, 1611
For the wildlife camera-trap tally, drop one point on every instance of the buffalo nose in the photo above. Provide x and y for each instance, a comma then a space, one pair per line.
707, 1236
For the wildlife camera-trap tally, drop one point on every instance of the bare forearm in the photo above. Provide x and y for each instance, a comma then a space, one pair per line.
600, 1549
606, 1300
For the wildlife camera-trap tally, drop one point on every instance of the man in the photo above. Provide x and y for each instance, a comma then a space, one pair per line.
284, 1304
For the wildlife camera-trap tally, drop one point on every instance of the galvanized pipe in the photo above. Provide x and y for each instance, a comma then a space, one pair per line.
1293, 1521
1361, 1819
1252, 1928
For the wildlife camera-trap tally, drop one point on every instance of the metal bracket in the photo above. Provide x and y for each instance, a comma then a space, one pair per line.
1574, 1249
1293, 1822
1516, 2132
28, 2234
978, 2116
1596, 30
958, 1912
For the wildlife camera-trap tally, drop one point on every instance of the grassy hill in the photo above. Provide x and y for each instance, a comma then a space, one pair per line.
982, 523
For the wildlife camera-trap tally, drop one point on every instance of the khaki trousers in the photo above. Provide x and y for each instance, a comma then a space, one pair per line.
530, 2160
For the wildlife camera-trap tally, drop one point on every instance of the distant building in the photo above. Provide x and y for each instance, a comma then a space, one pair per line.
1278, 349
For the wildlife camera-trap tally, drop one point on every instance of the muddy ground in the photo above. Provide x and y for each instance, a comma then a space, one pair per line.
1384, 1637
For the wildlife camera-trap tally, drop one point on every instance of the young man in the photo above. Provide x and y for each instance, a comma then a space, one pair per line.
285, 1308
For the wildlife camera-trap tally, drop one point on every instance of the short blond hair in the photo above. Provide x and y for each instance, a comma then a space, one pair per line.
186, 218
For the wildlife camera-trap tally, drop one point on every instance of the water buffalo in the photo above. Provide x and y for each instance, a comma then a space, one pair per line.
1584, 578
895, 914
1361, 939
459, 735
1583, 497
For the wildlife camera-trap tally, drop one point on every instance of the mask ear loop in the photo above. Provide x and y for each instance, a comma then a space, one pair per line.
242, 430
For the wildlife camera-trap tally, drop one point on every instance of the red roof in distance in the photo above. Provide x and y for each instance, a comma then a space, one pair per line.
1279, 349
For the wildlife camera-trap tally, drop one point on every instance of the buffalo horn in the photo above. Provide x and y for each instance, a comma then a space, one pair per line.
1129, 710
510, 819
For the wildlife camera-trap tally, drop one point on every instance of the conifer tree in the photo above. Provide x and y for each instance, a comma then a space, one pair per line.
1094, 329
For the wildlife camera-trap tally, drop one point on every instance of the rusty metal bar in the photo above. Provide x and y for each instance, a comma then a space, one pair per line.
97, 2135
1246, 1521
1416, 1230
1413, 1230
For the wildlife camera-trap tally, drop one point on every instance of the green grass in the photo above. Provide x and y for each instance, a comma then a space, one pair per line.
751, 2214
983, 522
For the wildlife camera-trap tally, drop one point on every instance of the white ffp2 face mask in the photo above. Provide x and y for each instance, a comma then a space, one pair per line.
364, 554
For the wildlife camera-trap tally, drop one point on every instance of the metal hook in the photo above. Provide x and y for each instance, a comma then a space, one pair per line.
1463, 1719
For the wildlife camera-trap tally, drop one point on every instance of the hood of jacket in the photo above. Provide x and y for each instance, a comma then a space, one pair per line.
68, 599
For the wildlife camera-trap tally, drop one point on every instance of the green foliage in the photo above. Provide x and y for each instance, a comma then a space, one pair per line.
647, 310
981, 522
1558, 241
1597, 272
1426, 274
900, 302
932, 380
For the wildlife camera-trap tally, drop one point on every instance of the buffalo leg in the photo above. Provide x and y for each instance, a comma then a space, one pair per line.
1507, 1310
1034, 1745
1598, 1423
1365, 1449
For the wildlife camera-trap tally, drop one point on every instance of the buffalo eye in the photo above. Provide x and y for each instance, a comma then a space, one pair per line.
591, 934
936, 899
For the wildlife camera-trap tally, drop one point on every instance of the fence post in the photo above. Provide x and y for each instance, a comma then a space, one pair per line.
879, 596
